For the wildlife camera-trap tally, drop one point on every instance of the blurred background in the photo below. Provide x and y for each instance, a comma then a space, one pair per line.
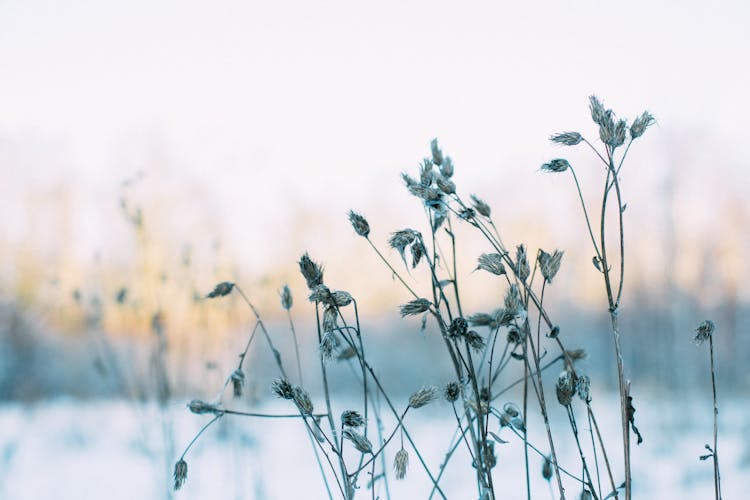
152, 149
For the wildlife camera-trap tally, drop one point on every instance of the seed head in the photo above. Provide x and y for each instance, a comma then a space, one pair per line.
359, 223
437, 154
401, 463
220, 290
583, 387
446, 169
200, 407
445, 185
549, 264
556, 165
422, 397
458, 328
416, 254
547, 469
424, 192
467, 214
480, 206
282, 388
452, 392
361, 443
330, 319
554, 332
286, 298
640, 125
522, 263
565, 387
302, 400
426, 174
620, 134
312, 272
180, 473
567, 138
704, 332
598, 113
327, 346
351, 418
238, 380
408, 179
322, 294
402, 239
475, 341
415, 307
492, 263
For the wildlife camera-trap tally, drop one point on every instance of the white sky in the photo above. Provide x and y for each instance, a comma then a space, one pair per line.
266, 108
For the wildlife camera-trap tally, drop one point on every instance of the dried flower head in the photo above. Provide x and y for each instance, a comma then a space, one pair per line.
467, 214
401, 463
458, 327
512, 301
437, 154
238, 380
361, 443
549, 264
352, 418
583, 387
485, 319
282, 388
598, 113
311, 271
567, 138
402, 239
547, 468
200, 407
620, 134
286, 298
426, 174
492, 263
408, 179
445, 185
452, 392
322, 294
446, 169
422, 397
415, 307
556, 165
640, 124
180, 473
426, 193
522, 263
704, 332
565, 387
220, 290
302, 400
480, 206
327, 346
330, 318
417, 251
359, 223
475, 341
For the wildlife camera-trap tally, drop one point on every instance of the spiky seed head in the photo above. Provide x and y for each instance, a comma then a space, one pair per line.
200, 407
422, 397
549, 264
311, 271
446, 169
475, 341
415, 307
286, 298
417, 251
359, 223
402, 239
547, 469
327, 346
222, 289
556, 165
492, 263
302, 400
437, 154
238, 380
522, 263
640, 124
452, 392
565, 387
484, 319
401, 463
458, 327
352, 418
408, 179
467, 214
583, 387
324, 295
180, 473
282, 388
620, 134
704, 332
480, 206
361, 443
330, 319
567, 138
426, 193
426, 174
512, 302
598, 113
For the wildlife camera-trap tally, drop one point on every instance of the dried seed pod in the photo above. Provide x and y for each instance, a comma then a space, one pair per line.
401, 463
522, 263
415, 307
452, 392
457, 328
704, 332
557, 165
180, 473
565, 387
238, 380
200, 407
567, 138
311, 271
361, 443
221, 290
302, 400
282, 388
492, 263
640, 125
422, 397
359, 223
480, 206
352, 418
549, 264
437, 154
286, 298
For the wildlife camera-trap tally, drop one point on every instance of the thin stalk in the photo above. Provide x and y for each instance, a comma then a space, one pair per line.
717, 476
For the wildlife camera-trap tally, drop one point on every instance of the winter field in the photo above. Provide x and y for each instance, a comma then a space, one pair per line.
67, 449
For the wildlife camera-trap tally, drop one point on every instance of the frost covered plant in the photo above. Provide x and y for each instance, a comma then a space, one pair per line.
705, 332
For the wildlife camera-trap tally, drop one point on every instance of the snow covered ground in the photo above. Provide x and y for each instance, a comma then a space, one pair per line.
113, 450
